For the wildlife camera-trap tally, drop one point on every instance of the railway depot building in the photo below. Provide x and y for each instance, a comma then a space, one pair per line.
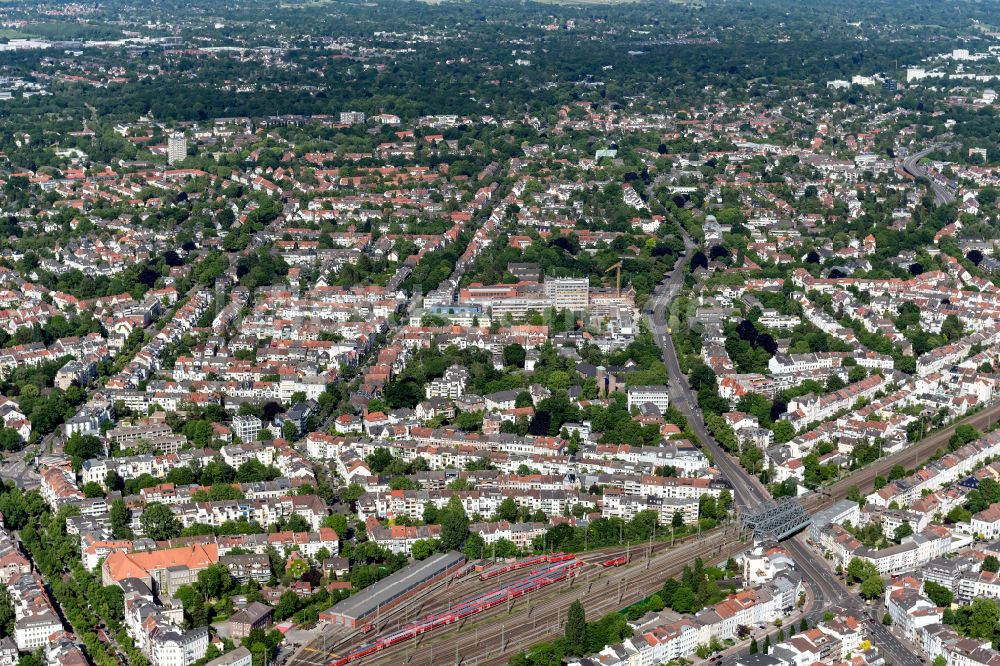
387, 593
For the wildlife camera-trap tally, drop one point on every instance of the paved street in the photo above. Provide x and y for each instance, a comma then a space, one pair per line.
912, 166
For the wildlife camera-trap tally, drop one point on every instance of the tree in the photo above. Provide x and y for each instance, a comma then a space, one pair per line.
559, 380
113, 482
951, 328
288, 603
859, 570
352, 493
767, 645
706, 506
939, 594
723, 503
338, 523
92, 489
254, 470
854, 494
469, 420
856, 374
991, 564
514, 354
983, 617
576, 628
504, 548
217, 471
903, 531
422, 549
36, 658
523, 400
214, 581
475, 546
684, 600
872, 587
803, 625
217, 492
7, 616
10, 440
507, 510
119, 515
959, 514
80, 447
454, 525
887, 620
158, 522
783, 431
754, 649
194, 605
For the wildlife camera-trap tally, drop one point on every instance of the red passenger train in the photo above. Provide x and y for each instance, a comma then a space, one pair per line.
511, 566
558, 567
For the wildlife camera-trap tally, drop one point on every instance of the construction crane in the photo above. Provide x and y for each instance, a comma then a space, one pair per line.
618, 279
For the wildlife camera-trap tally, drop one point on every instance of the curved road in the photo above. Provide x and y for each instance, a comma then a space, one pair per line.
911, 165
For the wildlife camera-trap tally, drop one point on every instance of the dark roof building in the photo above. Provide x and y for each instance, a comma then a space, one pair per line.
388, 592
255, 616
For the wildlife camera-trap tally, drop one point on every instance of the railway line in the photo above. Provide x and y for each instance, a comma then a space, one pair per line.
493, 635
550, 571
444, 594
911, 456
543, 616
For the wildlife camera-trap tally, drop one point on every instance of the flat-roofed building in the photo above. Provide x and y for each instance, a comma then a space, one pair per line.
567, 293
654, 395
390, 591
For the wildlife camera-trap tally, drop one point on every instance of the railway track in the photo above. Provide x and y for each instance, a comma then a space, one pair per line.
492, 636
443, 595
909, 457
600, 591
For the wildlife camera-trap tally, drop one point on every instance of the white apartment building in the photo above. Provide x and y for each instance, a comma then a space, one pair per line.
247, 428
656, 395
175, 647
176, 148
567, 293
987, 522
451, 385
352, 117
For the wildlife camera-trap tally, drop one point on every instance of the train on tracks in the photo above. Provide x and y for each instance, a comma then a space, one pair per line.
615, 561
554, 569
524, 564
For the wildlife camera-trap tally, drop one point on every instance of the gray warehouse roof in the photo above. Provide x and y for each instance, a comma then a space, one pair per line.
833, 513
388, 589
